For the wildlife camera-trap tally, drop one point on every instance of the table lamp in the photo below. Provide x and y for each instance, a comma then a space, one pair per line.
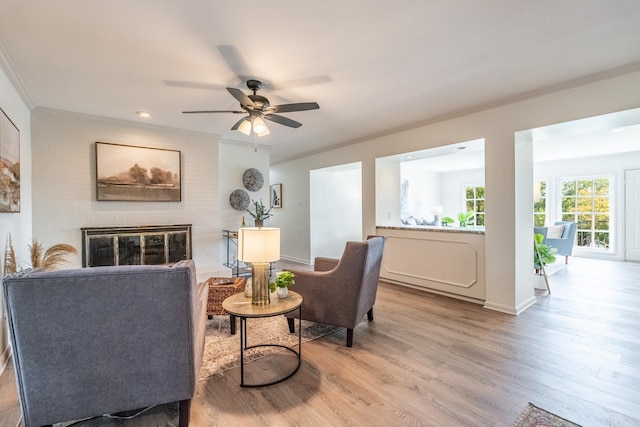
259, 246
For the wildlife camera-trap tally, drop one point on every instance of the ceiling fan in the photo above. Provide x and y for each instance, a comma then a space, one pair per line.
258, 109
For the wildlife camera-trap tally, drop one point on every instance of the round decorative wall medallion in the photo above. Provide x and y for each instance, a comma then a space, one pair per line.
252, 179
239, 200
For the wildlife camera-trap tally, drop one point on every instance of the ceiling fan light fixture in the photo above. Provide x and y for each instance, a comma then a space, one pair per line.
245, 127
259, 126
265, 133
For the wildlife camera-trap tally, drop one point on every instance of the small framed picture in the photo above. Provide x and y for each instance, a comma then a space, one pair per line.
276, 195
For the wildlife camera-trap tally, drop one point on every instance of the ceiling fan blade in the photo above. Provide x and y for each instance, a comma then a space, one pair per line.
282, 120
214, 111
288, 108
236, 62
241, 97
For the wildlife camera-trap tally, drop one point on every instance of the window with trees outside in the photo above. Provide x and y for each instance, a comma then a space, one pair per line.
540, 204
474, 202
587, 203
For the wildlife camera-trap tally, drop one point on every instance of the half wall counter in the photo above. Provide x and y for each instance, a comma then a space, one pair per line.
444, 260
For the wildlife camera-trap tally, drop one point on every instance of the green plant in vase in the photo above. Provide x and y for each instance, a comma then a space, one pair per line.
284, 280
542, 254
447, 220
260, 212
464, 218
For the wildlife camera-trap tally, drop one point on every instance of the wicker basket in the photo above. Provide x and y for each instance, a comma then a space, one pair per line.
219, 290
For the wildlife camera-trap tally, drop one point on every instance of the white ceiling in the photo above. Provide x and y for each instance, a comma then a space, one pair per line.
374, 66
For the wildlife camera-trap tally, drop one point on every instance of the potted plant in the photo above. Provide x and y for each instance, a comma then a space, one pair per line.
260, 213
284, 280
447, 220
464, 218
542, 255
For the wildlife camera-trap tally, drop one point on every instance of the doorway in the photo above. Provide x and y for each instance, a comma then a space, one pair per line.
335, 209
632, 215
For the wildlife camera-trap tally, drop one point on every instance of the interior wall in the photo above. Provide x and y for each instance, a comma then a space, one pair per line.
64, 192
17, 224
423, 191
336, 209
234, 159
497, 126
387, 191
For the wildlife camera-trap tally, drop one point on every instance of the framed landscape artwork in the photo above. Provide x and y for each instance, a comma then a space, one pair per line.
276, 195
9, 165
128, 173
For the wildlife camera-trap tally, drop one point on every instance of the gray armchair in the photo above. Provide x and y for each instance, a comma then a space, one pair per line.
93, 341
340, 292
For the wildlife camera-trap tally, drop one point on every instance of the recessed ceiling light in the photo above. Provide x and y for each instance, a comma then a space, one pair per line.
617, 130
461, 148
143, 114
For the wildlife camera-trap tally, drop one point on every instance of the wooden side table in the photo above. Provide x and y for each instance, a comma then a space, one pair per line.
240, 306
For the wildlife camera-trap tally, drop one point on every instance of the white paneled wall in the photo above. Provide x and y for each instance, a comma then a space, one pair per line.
64, 195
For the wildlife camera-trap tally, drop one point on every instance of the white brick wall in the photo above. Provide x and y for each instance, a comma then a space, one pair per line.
64, 195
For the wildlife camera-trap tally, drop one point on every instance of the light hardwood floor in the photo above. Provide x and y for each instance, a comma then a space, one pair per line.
434, 361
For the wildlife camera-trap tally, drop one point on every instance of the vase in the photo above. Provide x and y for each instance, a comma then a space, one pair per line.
247, 288
259, 222
282, 292
539, 282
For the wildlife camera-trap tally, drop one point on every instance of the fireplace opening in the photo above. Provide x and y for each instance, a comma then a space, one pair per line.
142, 245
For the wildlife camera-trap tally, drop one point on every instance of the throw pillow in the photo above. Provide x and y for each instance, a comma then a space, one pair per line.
555, 231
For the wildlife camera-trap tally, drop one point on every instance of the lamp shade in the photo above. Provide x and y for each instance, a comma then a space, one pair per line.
258, 244
259, 126
245, 127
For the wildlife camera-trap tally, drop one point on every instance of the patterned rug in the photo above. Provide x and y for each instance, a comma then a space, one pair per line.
222, 350
537, 417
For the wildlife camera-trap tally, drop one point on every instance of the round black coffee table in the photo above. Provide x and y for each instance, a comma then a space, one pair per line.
240, 306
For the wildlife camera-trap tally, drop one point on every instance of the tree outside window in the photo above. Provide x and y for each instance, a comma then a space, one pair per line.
540, 206
474, 202
587, 203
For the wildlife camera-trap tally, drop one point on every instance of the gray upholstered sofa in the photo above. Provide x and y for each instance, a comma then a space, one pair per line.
93, 341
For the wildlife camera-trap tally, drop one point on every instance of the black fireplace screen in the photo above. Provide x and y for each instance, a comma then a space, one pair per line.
144, 245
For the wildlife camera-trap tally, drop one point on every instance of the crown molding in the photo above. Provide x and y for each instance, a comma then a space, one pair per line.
14, 78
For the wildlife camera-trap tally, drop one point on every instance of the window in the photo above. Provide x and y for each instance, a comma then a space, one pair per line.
474, 202
587, 202
539, 203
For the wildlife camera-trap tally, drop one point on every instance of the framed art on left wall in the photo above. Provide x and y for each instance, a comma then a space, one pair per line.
129, 173
9, 165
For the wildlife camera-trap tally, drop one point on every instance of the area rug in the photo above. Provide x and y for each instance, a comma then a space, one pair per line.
222, 350
538, 417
